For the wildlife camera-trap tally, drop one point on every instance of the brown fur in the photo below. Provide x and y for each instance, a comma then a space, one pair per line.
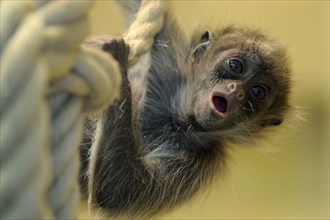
151, 158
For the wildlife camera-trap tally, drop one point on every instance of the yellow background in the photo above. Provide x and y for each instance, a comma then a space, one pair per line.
291, 182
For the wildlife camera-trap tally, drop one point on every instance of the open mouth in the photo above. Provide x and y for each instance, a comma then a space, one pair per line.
220, 104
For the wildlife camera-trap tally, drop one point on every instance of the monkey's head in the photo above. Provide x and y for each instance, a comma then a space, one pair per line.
239, 81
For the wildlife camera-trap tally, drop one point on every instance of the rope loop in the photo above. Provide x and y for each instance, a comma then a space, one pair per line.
89, 79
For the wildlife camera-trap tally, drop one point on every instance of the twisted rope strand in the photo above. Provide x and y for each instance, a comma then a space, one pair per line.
141, 33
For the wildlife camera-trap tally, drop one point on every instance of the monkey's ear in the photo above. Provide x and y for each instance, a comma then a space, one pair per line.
271, 122
202, 46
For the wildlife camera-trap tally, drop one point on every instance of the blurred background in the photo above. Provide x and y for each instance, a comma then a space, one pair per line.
287, 177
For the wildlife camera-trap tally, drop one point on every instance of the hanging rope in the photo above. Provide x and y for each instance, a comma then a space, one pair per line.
141, 33
47, 82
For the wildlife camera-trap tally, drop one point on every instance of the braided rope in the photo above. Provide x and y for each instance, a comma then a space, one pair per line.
141, 33
47, 82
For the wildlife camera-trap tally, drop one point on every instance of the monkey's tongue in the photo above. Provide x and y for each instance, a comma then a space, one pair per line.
220, 103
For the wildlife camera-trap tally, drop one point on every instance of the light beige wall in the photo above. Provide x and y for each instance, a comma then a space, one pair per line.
294, 181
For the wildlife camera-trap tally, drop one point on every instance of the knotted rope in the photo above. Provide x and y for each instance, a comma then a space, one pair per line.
47, 82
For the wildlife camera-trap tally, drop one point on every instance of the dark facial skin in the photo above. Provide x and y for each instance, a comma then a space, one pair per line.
159, 145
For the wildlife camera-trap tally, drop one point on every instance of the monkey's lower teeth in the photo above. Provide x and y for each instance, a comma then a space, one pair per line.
220, 103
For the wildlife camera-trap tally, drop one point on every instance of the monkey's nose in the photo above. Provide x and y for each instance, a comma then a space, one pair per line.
237, 90
240, 95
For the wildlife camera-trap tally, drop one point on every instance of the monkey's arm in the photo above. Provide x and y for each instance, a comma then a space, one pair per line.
129, 175
115, 170
119, 50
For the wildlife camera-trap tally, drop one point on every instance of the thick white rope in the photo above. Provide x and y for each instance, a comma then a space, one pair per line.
47, 82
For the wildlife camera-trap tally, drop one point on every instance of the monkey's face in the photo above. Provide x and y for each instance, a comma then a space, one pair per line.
233, 91
242, 88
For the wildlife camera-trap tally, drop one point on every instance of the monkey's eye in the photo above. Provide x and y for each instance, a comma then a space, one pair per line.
236, 65
259, 92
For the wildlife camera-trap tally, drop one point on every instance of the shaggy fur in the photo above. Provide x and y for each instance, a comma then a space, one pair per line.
157, 146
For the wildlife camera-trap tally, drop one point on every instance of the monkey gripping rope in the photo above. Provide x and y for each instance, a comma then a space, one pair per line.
47, 81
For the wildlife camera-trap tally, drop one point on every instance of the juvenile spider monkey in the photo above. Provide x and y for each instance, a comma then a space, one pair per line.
157, 146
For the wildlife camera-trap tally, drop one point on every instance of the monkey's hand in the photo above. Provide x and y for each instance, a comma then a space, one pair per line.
119, 50
116, 46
